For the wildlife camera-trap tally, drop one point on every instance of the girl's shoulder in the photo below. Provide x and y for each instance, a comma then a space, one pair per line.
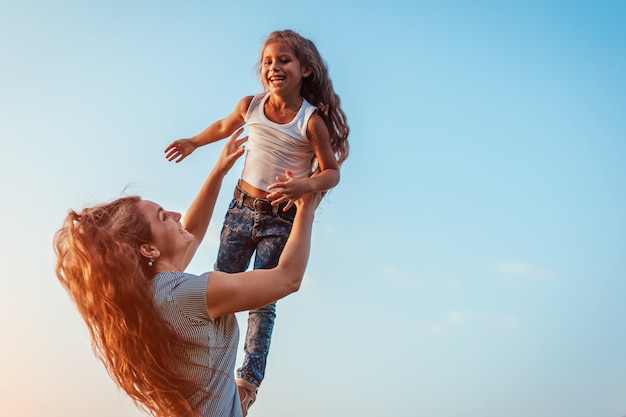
316, 122
244, 104
242, 107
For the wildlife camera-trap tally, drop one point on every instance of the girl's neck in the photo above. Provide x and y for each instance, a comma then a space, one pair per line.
282, 112
283, 103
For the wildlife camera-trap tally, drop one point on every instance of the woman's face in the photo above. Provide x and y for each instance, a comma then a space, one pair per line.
168, 234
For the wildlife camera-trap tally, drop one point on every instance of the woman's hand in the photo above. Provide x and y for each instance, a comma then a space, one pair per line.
309, 201
231, 152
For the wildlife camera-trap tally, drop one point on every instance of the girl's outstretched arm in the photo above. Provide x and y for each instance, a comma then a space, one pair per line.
182, 148
199, 213
230, 293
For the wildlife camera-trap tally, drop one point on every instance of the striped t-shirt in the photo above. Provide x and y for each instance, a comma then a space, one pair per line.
181, 298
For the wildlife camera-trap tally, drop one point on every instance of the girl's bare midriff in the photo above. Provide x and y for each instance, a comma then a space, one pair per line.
253, 191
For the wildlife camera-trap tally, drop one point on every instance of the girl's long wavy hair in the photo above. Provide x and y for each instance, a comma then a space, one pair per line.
317, 88
99, 263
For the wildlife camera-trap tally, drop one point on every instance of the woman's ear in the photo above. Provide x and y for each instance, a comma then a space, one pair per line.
149, 251
307, 71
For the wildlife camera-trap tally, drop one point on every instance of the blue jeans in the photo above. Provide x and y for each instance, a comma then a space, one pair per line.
245, 231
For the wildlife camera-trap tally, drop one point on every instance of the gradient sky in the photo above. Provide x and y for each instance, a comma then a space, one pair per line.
472, 261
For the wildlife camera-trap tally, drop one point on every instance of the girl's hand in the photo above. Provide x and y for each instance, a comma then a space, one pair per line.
288, 189
231, 152
179, 150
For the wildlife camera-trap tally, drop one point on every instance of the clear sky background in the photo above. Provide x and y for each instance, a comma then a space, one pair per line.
472, 261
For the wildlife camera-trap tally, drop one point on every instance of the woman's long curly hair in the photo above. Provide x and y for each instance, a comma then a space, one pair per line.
317, 88
99, 263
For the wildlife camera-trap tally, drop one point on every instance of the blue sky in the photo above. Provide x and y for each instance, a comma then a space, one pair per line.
472, 261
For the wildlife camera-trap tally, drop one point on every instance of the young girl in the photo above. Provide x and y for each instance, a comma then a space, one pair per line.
298, 138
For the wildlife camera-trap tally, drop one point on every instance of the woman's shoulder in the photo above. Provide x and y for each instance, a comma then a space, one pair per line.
186, 291
168, 280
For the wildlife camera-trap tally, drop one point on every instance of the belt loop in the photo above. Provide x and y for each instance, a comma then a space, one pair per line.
275, 210
240, 196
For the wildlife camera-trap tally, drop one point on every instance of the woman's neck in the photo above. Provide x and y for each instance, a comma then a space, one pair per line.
166, 265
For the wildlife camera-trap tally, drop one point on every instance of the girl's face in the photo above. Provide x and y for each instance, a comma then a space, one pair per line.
168, 234
281, 70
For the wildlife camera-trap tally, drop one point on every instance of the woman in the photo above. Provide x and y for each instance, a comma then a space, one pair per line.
167, 337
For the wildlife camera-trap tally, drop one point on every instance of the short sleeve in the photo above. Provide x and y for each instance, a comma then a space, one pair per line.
190, 297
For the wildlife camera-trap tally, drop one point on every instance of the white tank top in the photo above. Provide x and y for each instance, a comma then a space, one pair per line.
273, 148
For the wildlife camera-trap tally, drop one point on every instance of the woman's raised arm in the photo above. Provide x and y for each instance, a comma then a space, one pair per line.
230, 293
200, 212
